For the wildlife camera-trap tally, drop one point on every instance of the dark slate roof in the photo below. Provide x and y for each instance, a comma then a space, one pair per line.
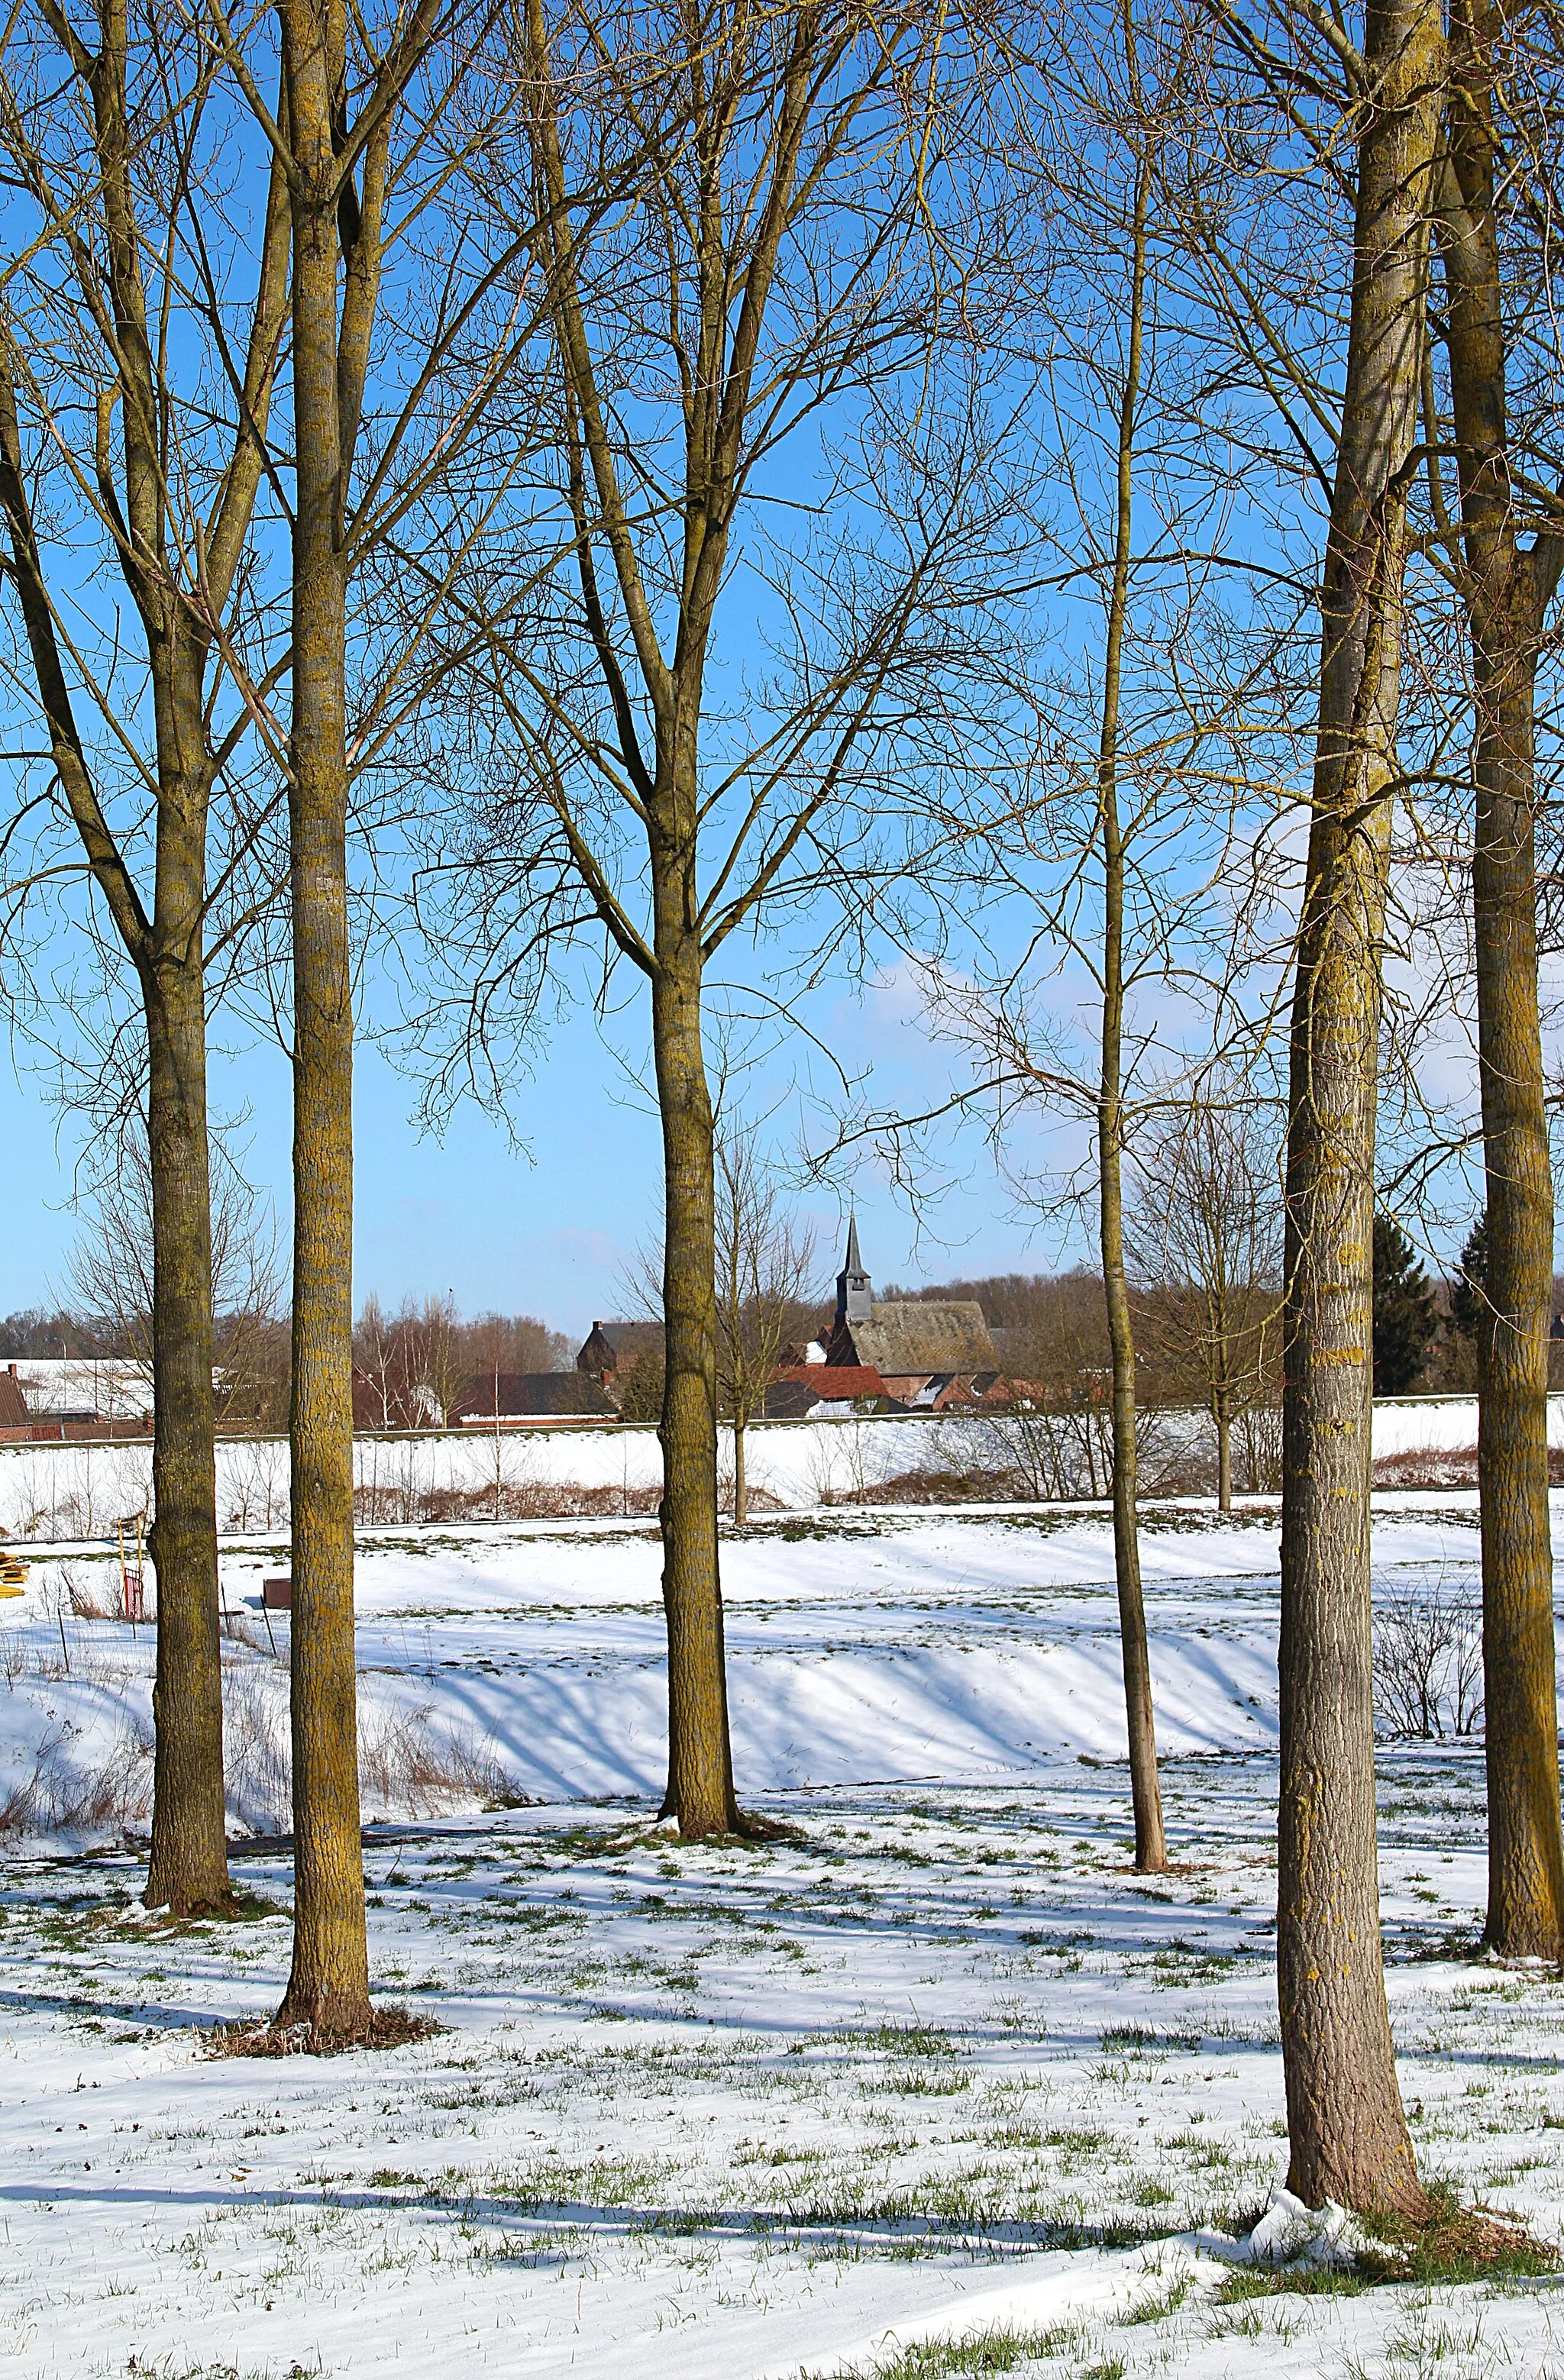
612, 1346
522, 1393
911, 1336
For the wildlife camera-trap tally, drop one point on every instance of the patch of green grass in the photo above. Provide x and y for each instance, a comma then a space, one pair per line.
1134, 2038
1306, 2281
602, 2182
1160, 2303
999, 2349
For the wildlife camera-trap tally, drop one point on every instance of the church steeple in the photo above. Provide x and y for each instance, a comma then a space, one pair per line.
853, 1301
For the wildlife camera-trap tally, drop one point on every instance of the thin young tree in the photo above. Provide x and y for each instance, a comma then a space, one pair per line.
790, 246
1113, 849
1151, 1847
113, 1271
1204, 1231
765, 1268
1348, 2132
1506, 554
134, 394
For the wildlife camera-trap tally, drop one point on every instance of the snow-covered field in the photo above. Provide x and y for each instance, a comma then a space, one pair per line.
938, 2068
48, 1492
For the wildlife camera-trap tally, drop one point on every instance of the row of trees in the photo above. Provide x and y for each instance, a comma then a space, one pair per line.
650, 478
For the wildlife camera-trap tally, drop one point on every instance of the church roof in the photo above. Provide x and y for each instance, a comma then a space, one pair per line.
523, 1395
912, 1336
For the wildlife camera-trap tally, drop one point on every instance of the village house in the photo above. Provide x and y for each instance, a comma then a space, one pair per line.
610, 1349
927, 1355
83, 1397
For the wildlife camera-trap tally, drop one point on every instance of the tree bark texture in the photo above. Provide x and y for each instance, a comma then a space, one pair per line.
1224, 1452
700, 1785
741, 1488
189, 1867
329, 1986
1151, 1847
1508, 591
1348, 2133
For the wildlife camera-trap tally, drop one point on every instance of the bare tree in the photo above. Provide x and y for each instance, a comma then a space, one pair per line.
1498, 237
134, 395
1117, 851
1348, 2132
1151, 1850
380, 114
379, 1363
785, 251
765, 1269
1204, 1230
442, 1352
113, 1267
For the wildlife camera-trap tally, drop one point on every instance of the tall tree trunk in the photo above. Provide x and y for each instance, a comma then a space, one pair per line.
1151, 1847
188, 1868
1526, 1914
1508, 591
329, 1987
1224, 1452
741, 1490
700, 1787
1348, 2132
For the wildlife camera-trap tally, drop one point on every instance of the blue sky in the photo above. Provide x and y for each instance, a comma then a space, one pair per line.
553, 1229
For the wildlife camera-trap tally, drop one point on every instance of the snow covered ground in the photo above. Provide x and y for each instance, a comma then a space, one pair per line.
939, 2069
48, 1492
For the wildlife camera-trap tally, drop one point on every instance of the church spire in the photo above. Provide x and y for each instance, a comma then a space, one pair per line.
855, 1302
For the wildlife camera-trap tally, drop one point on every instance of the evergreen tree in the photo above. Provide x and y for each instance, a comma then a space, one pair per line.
1406, 1316
1468, 1295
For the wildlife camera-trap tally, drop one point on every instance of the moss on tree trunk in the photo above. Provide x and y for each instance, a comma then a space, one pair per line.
1348, 2133
329, 1984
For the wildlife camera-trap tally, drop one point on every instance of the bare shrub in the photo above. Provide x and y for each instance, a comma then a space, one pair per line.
1259, 1449
99, 1594
13, 1657
83, 1596
406, 1763
1468, 1676
1427, 1663
402, 1762
926, 1486
1028, 1456
59, 1798
256, 1753
1427, 1466
1438, 1466
391, 1504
